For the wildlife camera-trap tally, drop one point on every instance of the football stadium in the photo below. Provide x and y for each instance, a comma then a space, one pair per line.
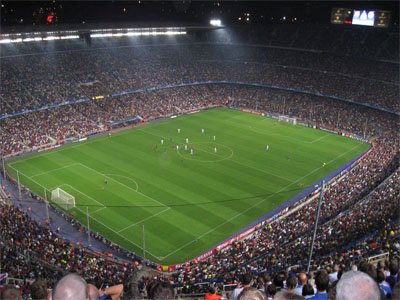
199, 150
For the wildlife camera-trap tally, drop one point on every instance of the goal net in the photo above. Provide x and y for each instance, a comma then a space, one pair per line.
288, 119
62, 199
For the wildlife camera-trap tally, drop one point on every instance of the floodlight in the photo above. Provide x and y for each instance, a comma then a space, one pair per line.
215, 22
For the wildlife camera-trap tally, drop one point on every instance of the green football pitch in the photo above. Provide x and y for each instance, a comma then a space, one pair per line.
242, 166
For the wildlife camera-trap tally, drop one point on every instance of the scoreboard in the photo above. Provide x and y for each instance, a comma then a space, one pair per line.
363, 17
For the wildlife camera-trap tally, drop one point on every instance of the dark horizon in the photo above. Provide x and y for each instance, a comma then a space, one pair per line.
28, 13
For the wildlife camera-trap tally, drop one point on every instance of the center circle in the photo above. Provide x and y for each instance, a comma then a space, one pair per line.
218, 156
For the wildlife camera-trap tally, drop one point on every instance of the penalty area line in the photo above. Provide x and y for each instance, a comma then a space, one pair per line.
145, 219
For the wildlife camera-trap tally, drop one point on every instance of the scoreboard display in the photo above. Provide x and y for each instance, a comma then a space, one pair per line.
362, 17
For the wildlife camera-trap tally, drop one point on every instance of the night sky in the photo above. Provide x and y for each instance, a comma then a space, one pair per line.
180, 12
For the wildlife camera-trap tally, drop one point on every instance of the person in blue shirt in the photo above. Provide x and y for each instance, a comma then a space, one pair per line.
322, 283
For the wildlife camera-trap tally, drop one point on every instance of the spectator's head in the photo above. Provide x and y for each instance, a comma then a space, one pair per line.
308, 290
380, 277
279, 280
71, 287
211, 290
93, 292
393, 267
370, 270
357, 285
285, 295
322, 280
10, 292
291, 283
271, 290
266, 277
302, 278
160, 291
336, 268
250, 293
39, 289
247, 280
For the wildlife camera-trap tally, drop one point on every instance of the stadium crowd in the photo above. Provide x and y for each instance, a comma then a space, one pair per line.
359, 211
340, 209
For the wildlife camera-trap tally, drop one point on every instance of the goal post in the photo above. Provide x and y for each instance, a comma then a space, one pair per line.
288, 119
62, 199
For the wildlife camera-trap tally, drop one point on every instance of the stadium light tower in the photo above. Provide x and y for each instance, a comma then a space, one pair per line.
216, 22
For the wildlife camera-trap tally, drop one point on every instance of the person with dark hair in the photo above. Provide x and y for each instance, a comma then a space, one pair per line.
279, 281
246, 281
271, 291
39, 289
308, 291
322, 283
159, 290
394, 273
10, 292
291, 284
385, 288
251, 293
266, 281
212, 295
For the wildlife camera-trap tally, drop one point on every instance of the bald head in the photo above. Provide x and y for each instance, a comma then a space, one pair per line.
93, 292
357, 285
302, 277
71, 287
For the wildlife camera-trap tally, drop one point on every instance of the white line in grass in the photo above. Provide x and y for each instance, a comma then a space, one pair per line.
53, 170
27, 177
264, 132
123, 176
97, 210
226, 158
241, 213
83, 212
145, 219
83, 165
320, 138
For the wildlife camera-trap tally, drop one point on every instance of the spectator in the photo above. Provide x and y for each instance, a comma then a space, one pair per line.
245, 282
160, 291
322, 283
394, 273
285, 295
302, 281
10, 292
39, 289
357, 285
308, 291
71, 287
212, 295
251, 293
291, 284
333, 277
93, 292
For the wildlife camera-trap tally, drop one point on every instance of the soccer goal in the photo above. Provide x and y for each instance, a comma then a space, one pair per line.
288, 119
62, 199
